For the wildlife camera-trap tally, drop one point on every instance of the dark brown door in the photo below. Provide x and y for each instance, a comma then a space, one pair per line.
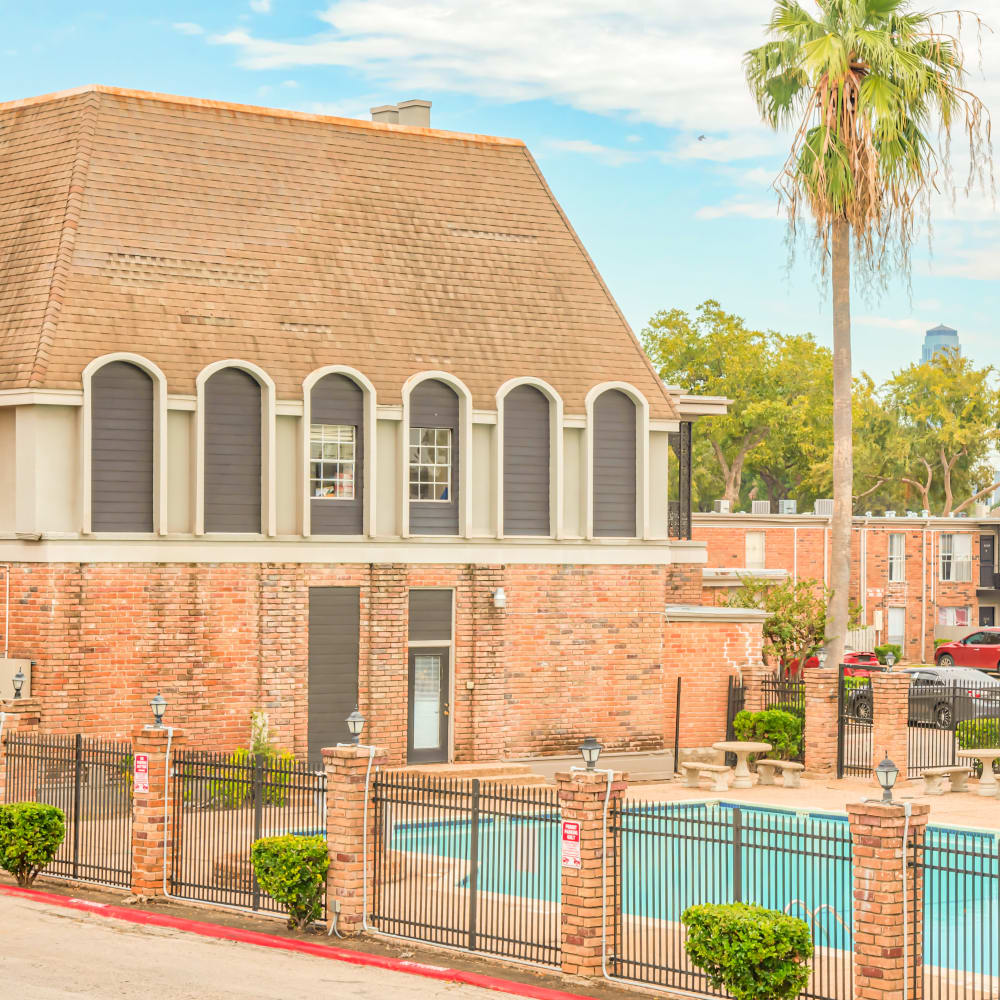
987, 617
429, 685
987, 545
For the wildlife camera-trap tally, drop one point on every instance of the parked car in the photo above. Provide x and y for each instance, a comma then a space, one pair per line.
939, 696
978, 649
851, 660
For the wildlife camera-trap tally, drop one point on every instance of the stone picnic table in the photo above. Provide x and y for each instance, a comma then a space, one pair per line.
741, 773
988, 782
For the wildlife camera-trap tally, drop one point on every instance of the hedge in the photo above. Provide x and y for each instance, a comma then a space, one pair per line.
781, 729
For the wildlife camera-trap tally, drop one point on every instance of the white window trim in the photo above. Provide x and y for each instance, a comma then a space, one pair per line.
641, 457
368, 464
159, 436
267, 464
464, 450
352, 462
901, 558
555, 453
954, 561
431, 465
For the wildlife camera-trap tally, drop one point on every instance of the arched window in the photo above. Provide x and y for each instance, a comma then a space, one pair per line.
614, 465
526, 461
121, 448
232, 455
336, 456
433, 459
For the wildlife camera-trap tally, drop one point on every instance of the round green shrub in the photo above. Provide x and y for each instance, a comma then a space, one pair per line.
293, 871
753, 952
30, 835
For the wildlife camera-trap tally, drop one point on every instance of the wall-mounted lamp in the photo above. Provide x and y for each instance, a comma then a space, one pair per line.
500, 599
18, 682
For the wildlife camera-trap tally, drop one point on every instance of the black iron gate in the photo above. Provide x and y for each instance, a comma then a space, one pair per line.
855, 714
468, 864
789, 695
91, 782
222, 803
736, 699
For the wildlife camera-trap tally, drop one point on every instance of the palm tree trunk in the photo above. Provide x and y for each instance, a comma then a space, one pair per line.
843, 465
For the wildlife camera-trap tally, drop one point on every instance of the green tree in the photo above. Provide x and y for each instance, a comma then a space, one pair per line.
860, 85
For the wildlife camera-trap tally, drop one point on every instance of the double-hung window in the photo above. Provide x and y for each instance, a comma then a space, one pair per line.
955, 617
430, 463
956, 558
897, 557
331, 461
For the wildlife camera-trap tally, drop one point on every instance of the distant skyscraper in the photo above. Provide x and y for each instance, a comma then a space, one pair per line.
937, 339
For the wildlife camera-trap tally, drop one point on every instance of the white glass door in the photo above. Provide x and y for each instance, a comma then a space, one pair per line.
428, 706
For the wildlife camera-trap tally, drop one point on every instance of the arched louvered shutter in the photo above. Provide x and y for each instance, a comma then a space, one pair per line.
232, 452
526, 453
121, 448
614, 465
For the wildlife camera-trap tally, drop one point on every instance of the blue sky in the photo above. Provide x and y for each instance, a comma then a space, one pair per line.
610, 95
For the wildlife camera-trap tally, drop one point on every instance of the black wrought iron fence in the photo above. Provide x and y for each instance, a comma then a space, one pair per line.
856, 712
669, 856
946, 717
788, 695
91, 781
736, 699
469, 864
221, 804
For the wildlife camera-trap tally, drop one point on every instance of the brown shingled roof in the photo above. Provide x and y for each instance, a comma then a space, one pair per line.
189, 231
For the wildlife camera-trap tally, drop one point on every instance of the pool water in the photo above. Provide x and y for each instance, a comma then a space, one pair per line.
676, 855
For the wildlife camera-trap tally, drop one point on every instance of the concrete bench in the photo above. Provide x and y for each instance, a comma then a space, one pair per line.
718, 773
934, 779
790, 772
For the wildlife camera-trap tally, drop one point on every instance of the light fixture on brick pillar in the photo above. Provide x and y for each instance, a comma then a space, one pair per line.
500, 599
887, 773
890, 659
590, 749
18, 682
821, 656
355, 724
159, 707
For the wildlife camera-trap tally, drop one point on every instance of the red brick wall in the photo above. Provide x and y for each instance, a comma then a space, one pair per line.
579, 651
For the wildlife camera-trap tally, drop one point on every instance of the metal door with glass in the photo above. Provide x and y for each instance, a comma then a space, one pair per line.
427, 732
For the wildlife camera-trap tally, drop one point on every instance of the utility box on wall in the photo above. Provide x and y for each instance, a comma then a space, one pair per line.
7, 670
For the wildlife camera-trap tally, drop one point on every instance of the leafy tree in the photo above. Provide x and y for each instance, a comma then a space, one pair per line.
860, 84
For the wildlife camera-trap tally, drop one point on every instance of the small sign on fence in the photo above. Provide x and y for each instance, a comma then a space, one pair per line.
140, 774
570, 844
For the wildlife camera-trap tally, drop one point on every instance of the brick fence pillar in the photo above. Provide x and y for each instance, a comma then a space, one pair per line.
346, 767
880, 862
23, 716
581, 798
890, 724
754, 676
151, 836
821, 727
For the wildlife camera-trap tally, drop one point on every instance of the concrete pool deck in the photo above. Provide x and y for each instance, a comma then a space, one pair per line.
833, 795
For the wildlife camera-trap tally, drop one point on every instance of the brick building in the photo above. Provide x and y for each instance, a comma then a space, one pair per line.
915, 578
298, 413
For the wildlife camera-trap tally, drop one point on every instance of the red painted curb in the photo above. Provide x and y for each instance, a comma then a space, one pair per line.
287, 944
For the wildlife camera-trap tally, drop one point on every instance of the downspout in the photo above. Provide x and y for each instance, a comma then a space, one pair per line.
923, 596
6, 612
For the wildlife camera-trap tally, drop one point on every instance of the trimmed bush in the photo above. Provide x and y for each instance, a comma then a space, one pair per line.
941, 642
753, 952
889, 647
977, 734
781, 729
293, 871
30, 835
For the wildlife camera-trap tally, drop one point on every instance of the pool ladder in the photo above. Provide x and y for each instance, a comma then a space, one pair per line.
812, 916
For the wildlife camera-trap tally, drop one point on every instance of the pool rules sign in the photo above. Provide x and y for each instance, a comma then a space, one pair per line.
570, 844
140, 774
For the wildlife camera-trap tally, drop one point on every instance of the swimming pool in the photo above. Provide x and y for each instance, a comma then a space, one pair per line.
673, 855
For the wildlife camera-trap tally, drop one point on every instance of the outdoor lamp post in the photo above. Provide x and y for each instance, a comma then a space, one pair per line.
887, 773
890, 659
159, 706
821, 656
355, 723
18, 682
591, 750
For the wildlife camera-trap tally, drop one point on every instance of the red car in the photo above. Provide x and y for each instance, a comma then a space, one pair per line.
867, 660
979, 649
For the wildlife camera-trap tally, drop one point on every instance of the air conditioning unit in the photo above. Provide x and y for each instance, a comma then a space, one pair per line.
890, 513
912, 513
760, 506
823, 507
925, 513
962, 513
722, 507
788, 507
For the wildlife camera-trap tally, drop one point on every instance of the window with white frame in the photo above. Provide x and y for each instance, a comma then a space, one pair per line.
955, 617
755, 550
897, 557
331, 461
896, 633
956, 558
430, 463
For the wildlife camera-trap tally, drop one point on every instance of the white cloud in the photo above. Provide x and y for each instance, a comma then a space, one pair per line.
188, 28
260, 6
607, 155
633, 138
740, 207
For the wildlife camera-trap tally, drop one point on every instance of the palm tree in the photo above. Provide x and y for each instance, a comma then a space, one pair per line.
862, 85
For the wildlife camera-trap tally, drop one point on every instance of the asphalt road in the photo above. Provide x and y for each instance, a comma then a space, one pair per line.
53, 954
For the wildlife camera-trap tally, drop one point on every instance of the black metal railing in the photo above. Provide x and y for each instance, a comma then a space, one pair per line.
669, 856
91, 782
736, 699
789, 695
946, 718
220, 804
679, 510
961, 915
855, 714
469, 864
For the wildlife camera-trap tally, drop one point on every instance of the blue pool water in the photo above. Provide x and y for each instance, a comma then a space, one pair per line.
675, 855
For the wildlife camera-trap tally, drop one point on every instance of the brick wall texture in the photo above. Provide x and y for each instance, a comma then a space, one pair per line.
579, 651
